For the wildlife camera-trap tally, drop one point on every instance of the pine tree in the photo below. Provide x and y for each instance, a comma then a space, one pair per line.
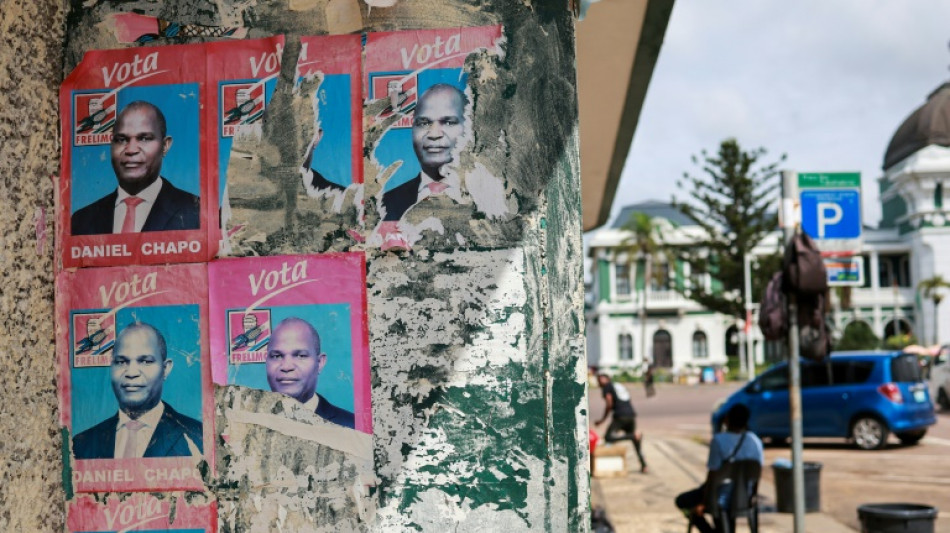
735, 201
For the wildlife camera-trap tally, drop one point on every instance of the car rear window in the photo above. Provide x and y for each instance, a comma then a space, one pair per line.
904, 369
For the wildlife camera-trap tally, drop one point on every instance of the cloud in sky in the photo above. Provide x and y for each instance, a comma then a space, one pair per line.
826, 82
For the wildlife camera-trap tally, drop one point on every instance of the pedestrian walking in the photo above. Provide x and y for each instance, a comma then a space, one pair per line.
623, 423
648, 380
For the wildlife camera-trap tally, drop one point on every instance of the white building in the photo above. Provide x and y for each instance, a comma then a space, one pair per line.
911, 243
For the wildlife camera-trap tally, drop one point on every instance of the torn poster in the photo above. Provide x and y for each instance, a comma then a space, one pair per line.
300, 179
135, 389
295, 325
418, 110
168, 513
133, 187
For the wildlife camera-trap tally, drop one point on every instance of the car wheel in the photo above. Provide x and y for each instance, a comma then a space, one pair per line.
943, 399
910, 438
869, 433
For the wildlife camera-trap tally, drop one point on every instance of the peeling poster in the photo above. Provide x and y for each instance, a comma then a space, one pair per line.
135, 387
295, 325
418, 111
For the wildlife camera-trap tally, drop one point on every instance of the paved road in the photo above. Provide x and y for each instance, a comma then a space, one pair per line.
849, 477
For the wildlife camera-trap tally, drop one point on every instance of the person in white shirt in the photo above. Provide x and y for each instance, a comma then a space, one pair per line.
144, 426
143, 200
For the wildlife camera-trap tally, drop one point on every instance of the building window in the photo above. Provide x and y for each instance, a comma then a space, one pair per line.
622, 275
660, 280
700, 346
885, 272
626, 347
894, 270
938, 196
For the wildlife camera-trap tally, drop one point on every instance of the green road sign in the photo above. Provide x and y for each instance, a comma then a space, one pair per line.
834, 180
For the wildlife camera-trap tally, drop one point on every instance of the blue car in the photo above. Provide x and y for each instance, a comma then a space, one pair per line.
862, 396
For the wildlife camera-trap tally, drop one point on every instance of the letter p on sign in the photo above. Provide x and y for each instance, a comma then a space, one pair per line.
829, 214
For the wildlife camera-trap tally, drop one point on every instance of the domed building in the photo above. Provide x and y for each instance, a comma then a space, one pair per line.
631, 321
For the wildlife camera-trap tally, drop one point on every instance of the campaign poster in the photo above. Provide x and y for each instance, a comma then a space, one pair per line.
142, 512
133, 187
135, 388
243, 75
295, 325
417, 93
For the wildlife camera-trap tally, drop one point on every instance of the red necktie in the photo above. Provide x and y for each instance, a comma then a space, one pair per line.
437, 187
131, 441
128, 225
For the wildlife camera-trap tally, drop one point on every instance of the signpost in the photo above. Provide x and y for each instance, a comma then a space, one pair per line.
827, 206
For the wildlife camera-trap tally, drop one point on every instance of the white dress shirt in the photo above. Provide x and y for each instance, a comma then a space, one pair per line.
149, 420
452, 184
149, 194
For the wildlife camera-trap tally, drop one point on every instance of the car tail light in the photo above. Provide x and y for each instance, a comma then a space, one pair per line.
891, 392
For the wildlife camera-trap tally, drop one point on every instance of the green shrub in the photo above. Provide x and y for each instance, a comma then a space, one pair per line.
858, 335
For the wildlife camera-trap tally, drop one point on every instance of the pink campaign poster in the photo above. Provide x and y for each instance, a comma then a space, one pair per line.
242, 76
418, 80
134, 185
145, 513
135, 389
295, 325
333, 159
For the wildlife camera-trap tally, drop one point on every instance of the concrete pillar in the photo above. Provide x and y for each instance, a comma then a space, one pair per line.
476, 336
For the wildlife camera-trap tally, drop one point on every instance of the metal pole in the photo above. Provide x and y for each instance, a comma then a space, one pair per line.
790, 220
747, 265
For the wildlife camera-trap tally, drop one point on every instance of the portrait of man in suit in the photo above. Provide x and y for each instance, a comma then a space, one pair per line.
144, 426
294, 361
437, 125
144, 200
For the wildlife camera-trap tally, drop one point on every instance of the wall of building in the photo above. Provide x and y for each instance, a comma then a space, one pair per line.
476, 336
30, 62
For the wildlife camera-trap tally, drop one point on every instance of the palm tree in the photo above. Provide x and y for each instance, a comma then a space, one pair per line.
644, 242
933, 288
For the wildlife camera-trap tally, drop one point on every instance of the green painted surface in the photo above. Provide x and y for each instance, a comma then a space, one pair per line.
829, 179
603, 280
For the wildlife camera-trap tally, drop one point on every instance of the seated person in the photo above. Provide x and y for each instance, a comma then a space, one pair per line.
737, 443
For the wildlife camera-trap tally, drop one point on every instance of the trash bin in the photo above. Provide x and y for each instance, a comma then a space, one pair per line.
785, 487
897, 518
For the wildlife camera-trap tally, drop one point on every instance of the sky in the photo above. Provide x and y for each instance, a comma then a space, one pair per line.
826, 82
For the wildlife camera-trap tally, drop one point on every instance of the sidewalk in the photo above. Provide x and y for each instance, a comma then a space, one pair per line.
643, 503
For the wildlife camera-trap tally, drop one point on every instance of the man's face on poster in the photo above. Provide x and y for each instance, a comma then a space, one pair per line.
436, 127
294, 360
138, 147
139, 368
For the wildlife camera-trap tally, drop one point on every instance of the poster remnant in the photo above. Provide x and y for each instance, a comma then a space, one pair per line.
295, 325
171, 513
135, 388
243, 76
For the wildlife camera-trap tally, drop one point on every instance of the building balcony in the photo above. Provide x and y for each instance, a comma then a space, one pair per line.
656, 301
883, 297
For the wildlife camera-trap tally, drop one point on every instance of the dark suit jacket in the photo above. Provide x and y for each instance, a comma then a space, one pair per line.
168, 440
335, 414
397, 201
174, 209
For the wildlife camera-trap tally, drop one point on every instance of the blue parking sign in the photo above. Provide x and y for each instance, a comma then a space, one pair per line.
831, 213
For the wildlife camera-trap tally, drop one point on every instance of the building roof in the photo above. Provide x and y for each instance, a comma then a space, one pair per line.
618, 45
928, 124
655, 209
